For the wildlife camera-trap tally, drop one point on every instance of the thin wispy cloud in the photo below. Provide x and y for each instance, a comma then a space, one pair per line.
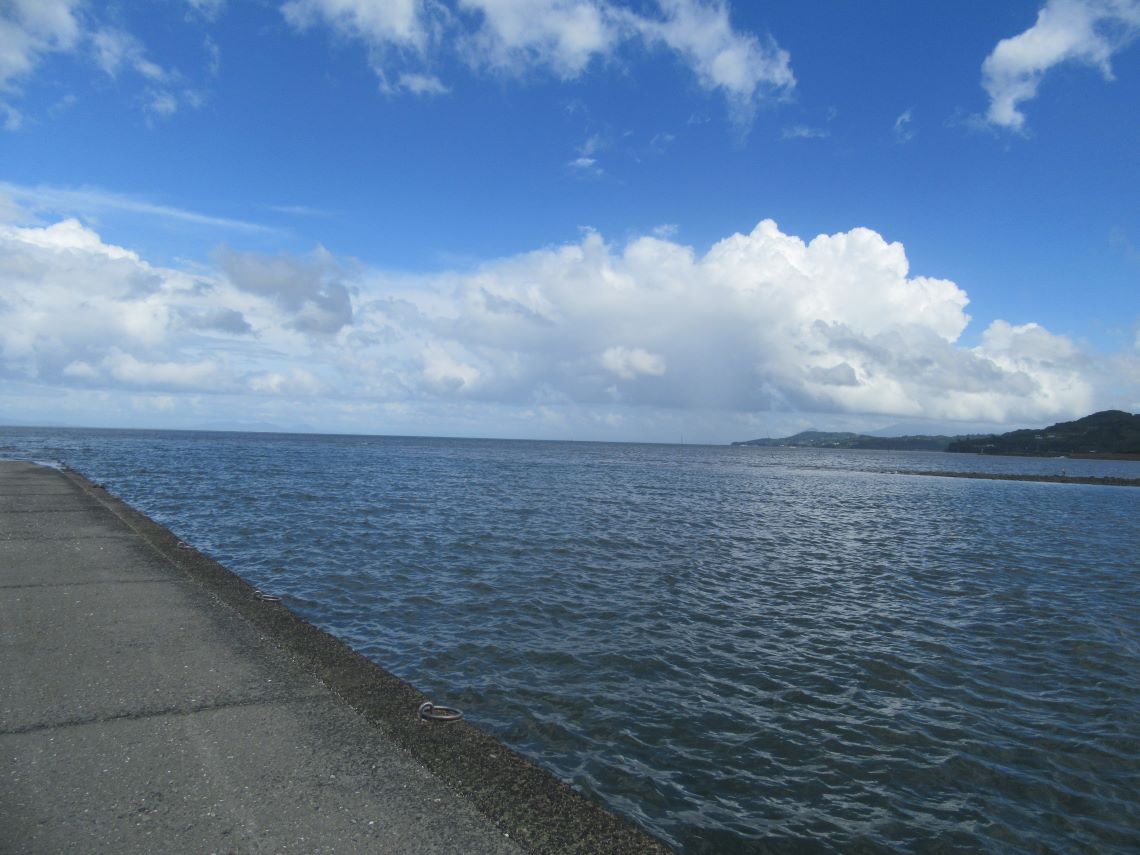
300, 211
586, 163
117, 49
804, 132
32, 31
585, 166
28, 34
422, 84
661, 142
43, 199
903, 131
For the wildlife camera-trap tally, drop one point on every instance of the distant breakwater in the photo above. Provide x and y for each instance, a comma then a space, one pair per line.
1051, 479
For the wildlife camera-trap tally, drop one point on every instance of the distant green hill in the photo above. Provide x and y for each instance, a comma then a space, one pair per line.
1110, 432
1107, 432
822, 439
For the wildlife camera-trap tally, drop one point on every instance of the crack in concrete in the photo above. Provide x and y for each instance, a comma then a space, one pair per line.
39, 538
49, 511
173, 711
164, 581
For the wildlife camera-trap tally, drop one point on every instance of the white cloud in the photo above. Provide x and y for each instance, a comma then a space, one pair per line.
294, 381
444, 374
397, 32
660, 142
629, 363
311, 290
10, 211
903, 131
29, 29
564, 37
165, 91
761, 321
213, 56
115, 49
163, 104
209, 9
132, 371
804, 132
600, 334
740, 65
379, 22
1088, 32
46, 200
422, 84
300, 210
585, 166
1053, 363
69, 235
79, 310
13, 118
32, 29
70, 297
82, 370
593, 144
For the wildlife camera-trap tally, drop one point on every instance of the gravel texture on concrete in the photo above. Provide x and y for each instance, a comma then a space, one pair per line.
151, 702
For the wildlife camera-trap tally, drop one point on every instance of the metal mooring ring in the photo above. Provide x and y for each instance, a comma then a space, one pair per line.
430, 712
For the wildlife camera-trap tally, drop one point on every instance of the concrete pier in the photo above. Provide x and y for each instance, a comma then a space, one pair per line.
151, 702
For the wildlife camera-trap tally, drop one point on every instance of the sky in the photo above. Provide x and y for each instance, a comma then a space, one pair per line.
661, 220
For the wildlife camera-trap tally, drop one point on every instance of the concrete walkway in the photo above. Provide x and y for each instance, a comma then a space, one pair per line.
150, 702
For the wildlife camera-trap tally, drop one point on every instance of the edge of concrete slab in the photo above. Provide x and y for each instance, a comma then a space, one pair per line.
537, 811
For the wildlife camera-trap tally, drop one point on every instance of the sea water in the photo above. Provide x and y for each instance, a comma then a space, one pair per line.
741, 649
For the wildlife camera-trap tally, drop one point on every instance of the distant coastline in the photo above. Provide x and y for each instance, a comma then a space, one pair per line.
1107, 435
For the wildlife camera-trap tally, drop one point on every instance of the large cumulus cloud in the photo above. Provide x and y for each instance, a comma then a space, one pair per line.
76, 311
762, 321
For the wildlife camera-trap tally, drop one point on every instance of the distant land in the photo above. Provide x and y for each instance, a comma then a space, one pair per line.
822, 439
1111, 433
1108, 433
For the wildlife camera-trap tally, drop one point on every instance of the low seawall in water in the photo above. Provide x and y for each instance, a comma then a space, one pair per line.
1107, 481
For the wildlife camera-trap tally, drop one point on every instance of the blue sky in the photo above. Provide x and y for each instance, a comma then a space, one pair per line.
568, 218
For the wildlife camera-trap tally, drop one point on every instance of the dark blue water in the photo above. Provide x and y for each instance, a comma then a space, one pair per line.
742, 649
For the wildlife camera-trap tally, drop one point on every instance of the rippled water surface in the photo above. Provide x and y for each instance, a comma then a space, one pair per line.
742, 649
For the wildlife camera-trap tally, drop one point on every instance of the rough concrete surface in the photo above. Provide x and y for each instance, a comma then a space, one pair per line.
150, 702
